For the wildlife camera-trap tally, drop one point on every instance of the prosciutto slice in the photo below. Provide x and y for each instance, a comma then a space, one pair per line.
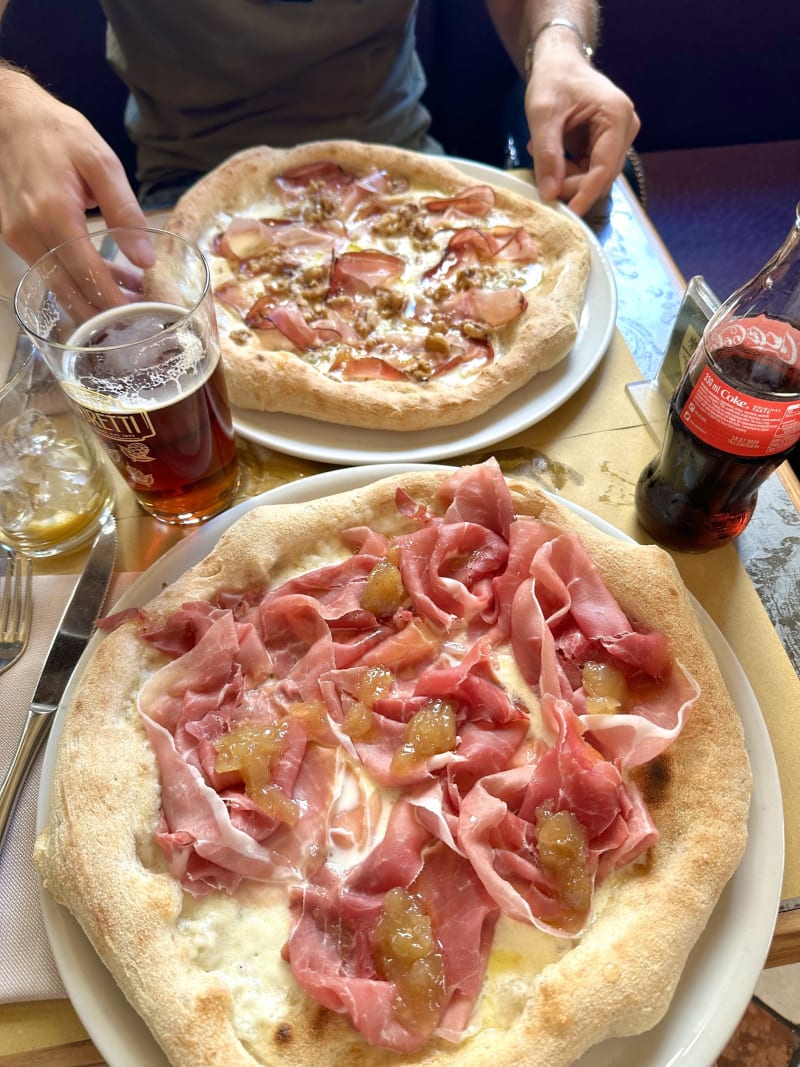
497, 825
477, 581
330, 949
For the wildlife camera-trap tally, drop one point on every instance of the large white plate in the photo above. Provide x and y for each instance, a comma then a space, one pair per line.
343, 445
722, 970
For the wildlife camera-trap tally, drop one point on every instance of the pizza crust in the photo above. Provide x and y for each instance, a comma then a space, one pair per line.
97, 854
263, 378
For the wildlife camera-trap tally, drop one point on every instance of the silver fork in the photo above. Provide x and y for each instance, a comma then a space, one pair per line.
16, 604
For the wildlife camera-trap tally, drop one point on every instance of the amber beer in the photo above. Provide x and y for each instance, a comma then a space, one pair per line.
143, 377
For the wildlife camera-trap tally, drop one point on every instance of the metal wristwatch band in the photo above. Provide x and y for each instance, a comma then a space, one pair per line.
566, 24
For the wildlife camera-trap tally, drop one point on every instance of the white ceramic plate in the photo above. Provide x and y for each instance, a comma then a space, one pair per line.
343, 445
722, 970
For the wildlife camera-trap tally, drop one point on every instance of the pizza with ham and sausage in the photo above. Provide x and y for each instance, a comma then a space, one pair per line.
372, 286
429, 772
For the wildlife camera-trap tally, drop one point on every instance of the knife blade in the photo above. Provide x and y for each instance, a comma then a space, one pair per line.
72, 636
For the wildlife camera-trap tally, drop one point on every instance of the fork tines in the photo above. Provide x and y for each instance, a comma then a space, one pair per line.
16, 605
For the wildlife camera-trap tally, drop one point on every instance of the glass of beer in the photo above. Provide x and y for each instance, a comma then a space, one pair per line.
125, 319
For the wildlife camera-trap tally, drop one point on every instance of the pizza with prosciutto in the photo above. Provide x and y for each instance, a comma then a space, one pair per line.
432, 772
371, 286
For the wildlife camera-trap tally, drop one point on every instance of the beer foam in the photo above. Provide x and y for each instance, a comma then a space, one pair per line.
170, 359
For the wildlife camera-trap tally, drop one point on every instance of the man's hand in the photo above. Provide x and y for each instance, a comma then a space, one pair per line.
581, 124
53, 168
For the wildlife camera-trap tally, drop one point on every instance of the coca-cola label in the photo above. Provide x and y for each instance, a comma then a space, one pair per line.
737, 423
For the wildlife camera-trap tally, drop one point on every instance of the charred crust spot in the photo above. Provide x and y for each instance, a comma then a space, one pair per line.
655, 779
322, 1019
284, 1034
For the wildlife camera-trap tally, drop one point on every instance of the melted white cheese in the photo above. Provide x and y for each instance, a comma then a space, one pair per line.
238, 940
519, 952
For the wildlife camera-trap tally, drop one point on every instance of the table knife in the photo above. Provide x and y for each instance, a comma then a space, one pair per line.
72, 636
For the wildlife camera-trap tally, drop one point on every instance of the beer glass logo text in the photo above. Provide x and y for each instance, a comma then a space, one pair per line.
124, 427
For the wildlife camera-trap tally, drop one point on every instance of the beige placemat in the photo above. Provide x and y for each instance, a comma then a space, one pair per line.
27, 970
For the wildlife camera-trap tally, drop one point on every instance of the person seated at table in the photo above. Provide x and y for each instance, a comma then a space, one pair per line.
207, 79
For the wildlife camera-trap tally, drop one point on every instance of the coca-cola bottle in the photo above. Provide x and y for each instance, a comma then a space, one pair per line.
734, 415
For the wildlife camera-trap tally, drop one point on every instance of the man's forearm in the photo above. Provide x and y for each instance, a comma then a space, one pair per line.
518, 22
11, 74
18, 91
15, 84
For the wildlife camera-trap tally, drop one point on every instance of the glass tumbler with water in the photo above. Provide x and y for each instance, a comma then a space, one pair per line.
55, 489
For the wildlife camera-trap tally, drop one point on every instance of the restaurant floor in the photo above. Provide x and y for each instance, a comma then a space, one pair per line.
769, 1033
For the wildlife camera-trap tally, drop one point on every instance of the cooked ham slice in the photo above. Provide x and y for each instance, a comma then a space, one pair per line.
246, 238
294, 237
362, 272
258, 315
342, 188
322, 173
243, 238
468, 246
479, 201
290, 320
494, 307
292, 323
514, 244
367, 368
471, 352
233, 295
472, 245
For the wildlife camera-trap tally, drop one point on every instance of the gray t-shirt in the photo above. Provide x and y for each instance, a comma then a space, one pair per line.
209, 77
